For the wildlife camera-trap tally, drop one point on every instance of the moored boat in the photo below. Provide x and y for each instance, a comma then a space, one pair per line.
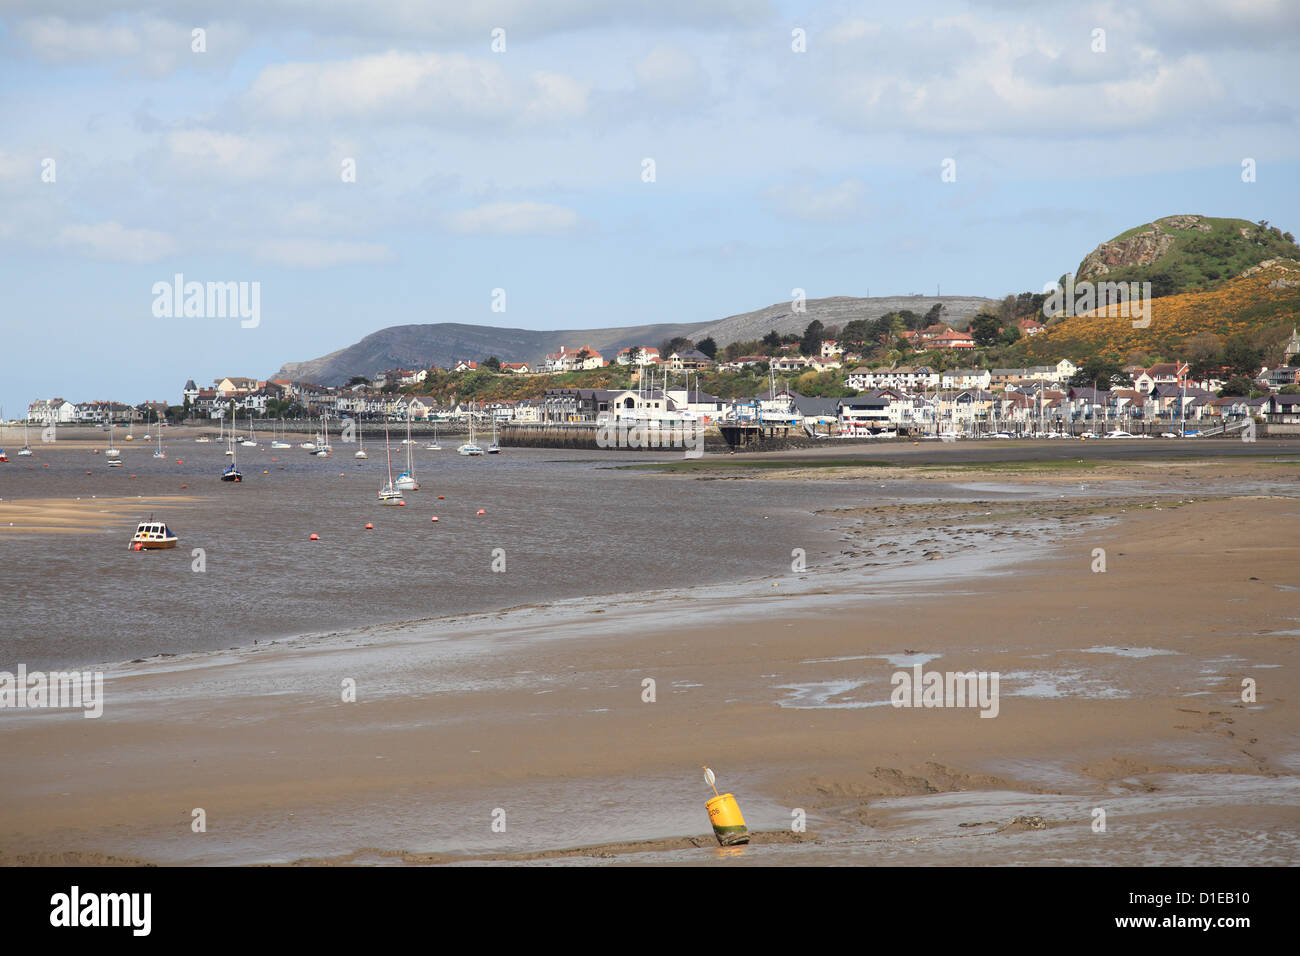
152, 535
388, 494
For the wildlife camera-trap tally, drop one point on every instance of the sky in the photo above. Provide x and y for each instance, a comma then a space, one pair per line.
619, 163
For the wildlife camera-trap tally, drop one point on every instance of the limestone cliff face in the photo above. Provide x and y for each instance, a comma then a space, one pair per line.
1142, 248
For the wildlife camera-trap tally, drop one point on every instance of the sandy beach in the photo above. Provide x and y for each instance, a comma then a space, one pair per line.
1120, 690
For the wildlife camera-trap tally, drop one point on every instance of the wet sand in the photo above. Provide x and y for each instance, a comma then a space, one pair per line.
1120, 690
36, 516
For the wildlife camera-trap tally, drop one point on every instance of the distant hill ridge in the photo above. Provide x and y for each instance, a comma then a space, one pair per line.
443, 343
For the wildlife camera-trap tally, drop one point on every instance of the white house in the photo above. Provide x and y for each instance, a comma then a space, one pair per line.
653, 404
637, 355
56, 410
577, 360
906, 377
966, 378
699, 404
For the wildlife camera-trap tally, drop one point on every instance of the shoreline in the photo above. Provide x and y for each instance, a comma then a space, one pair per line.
542, 683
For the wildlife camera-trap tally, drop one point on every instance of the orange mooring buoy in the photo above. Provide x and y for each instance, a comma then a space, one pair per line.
314, 537
434, 518
480, 511
441, 497
369, 526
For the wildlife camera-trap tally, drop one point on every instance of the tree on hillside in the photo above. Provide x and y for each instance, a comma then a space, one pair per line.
357, 380
493, 363
934, 314
1162, 283
985, 328
678, 343
882, 330
811, 343
1101, 370
707, 346
1238, 385
856, 332
1242, 356
772, 339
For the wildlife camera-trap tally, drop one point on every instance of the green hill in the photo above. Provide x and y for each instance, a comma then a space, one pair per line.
1180, 254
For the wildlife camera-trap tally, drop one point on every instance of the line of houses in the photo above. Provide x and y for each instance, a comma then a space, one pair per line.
904, 397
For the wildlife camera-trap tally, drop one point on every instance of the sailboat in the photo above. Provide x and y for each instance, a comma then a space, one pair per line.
388, 494
160, 453
280, 442
110, 451
494, 448
433, 445
469, 448
406, 480
26, 450
248, 442
361, 452
232, 472
324, 450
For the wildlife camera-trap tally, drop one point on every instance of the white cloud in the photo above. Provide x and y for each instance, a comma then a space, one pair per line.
157, 47
111, 240
844, 201
206, 153
406, 86
321, 253
960, 75
669, 76
398, 21
512, 219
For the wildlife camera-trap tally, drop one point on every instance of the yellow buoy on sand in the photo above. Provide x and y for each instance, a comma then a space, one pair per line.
724, 814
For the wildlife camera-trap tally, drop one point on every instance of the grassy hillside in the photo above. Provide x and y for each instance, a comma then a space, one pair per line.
1179, 254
